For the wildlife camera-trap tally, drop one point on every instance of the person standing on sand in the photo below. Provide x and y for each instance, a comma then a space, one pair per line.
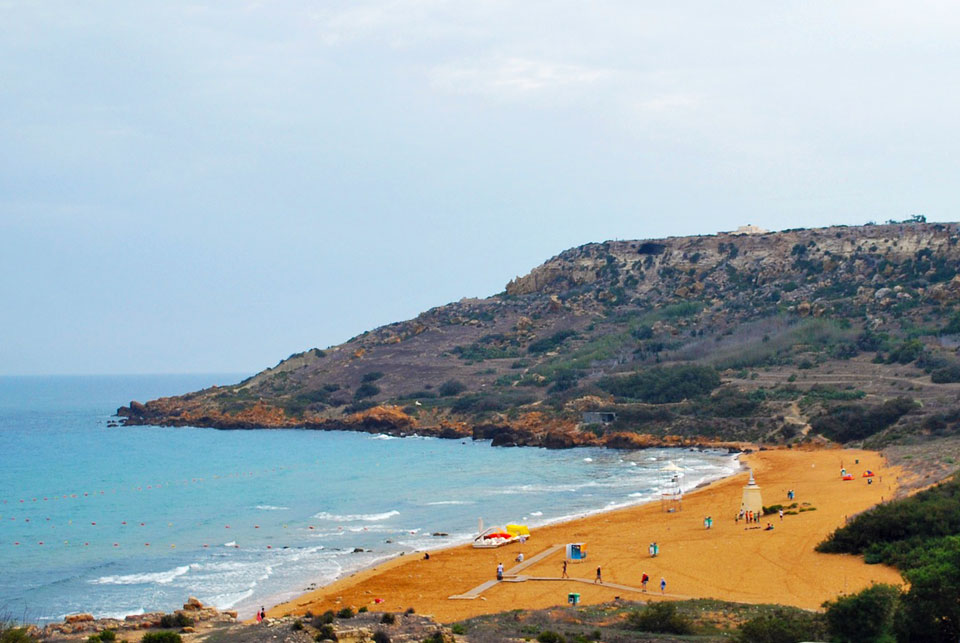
643, 582
599, 578
499, 571
564, 574
259, 617
663, 584
263, 614
781, 515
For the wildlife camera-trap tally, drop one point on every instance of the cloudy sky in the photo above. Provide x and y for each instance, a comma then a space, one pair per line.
209, 187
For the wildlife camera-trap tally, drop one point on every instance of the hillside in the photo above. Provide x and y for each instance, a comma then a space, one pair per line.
847, 334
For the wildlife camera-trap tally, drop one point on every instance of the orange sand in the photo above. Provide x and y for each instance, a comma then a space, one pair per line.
726, 562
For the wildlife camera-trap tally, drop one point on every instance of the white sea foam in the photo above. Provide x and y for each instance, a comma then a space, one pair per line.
160, 578
232, 543
450, 502
536, 513
323, 515
271, 508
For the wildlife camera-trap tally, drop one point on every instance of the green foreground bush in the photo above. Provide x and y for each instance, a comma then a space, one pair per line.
661, 618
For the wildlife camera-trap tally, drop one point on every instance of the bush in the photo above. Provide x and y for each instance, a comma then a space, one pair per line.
106, 635
297, 625
782, 626
547, 344
458, 628
381, 637
857, 421
324, 619
451, 388
549, 636
175, 620
363, 610
366, 390
162, 637
372, 376
346, 612
866, 616
661, 618
326, 632
388, 618
663, 385
946, 375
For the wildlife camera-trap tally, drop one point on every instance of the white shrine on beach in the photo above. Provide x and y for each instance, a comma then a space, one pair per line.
752, 500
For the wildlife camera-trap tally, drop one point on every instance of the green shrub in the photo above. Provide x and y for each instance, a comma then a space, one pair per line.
297, 625
102, 637
661, 618
452, 387
363, 610
549, 636
326, 632
865, 616
547, 344
388, 618
381, 637
782, 626
346, 612
372, 376
175, 620
947, 374
906, 352
857, 421
162, 637
324, 619
458, 628
663, 385
366, 390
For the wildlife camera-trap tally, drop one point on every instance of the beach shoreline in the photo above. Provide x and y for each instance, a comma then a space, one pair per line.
725, 562
284, 598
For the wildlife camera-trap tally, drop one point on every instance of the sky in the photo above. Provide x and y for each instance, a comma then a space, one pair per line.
212, 186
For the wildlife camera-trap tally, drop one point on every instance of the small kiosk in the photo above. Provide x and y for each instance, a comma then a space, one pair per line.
576, 552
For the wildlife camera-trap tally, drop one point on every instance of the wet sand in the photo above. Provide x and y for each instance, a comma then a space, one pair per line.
727, 562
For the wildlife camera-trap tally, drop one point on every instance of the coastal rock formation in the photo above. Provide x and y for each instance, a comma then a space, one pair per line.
809, 318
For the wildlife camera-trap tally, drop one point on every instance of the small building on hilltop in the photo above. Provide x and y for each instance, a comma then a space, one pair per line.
599, 417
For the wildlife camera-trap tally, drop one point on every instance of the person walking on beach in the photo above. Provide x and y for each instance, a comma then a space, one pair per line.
259, 617
663, 584
263, 614
643, 581
599, 578
499, 571
781, 515
564, 574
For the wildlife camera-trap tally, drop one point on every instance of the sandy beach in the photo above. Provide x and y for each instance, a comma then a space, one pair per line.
727, 562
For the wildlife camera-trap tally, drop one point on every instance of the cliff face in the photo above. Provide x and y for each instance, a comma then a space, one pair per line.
759, 308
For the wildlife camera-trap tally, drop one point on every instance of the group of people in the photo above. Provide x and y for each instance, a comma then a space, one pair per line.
645, 579
261, 615
748, 515
654, 549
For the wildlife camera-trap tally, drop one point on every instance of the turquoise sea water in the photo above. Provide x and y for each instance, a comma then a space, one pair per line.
117, 521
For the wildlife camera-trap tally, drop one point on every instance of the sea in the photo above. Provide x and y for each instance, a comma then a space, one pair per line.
125, 520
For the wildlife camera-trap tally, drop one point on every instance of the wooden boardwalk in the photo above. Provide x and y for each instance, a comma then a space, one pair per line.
512, 575
509, 575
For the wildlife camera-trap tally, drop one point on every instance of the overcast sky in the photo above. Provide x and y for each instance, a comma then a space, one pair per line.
209, 187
